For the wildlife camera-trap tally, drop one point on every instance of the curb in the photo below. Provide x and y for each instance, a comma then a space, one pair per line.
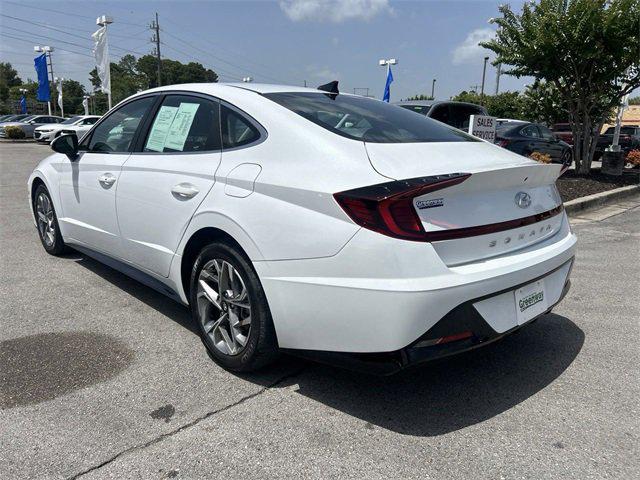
598, 199
17, 140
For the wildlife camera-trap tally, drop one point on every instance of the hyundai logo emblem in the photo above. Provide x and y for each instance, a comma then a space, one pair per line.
523, 199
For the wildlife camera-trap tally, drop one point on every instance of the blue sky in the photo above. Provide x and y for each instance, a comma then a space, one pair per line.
287, 41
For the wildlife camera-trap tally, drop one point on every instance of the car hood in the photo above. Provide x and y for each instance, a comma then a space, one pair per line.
48, 126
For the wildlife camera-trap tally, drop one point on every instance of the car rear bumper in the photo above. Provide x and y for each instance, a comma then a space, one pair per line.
382, 295
459, 331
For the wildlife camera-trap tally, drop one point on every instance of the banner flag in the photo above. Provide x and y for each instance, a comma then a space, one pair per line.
40, 63
60, 93
85, 104
387, 90
101, 54
23, 104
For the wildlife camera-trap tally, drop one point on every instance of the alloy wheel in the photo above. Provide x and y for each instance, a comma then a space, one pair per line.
46, 224
224, 308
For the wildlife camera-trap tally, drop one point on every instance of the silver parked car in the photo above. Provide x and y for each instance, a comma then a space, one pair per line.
30, 123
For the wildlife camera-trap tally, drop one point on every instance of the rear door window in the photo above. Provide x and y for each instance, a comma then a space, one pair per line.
530, 131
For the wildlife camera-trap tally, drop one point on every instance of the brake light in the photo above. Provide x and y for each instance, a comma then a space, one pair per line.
502, 142
388, 208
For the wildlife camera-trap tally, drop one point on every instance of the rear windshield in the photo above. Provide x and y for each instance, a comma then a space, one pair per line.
623, 130
422, 109
368, 120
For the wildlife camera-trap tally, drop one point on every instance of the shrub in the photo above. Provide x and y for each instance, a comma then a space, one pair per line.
14, 131
540, 157
633, 157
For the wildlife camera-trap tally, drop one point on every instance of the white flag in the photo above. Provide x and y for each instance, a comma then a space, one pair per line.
101, 53
85, 104
60, 93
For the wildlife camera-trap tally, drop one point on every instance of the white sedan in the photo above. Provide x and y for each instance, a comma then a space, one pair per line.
79, 124
324, 224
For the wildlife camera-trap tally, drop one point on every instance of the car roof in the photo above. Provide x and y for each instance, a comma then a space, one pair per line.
220, 88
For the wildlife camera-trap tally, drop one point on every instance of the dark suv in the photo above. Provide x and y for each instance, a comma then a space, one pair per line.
452, 113
629, 139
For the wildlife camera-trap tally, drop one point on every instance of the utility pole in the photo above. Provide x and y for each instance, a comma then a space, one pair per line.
433, 89
155, 26
498, 72
484, 72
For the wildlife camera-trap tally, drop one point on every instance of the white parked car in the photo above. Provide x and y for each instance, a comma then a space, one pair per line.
79, 124
329, 225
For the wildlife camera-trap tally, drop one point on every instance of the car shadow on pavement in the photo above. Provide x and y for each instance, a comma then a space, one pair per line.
427, 400
441, 397
156, 300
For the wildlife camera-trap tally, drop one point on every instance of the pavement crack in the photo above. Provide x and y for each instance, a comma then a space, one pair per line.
188, 425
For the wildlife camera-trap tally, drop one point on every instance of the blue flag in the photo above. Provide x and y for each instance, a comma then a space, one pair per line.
23, 104
387, 91
40, 63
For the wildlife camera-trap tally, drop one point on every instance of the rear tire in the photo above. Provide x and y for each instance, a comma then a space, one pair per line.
47, 222
230, 308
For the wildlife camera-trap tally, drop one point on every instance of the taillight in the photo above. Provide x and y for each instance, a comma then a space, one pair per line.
502, 142
388, 208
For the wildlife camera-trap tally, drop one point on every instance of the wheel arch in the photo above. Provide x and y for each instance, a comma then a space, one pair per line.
196, 241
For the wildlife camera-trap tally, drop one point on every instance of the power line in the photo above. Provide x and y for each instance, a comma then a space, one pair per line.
68, 14
31, 42
66, 33
237, 67
220, 72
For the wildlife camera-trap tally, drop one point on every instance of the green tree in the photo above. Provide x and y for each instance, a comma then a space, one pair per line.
8, 78
502, 105
541, 102
125, 80
72, 95
588, 50
173, 72
420, 97
634, 101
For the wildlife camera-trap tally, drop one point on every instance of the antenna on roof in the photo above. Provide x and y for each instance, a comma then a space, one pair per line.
331, 87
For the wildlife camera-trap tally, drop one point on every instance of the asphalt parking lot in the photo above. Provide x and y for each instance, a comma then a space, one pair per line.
102, 377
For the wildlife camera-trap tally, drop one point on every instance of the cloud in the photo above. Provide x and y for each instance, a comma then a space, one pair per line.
469, 50
335, 11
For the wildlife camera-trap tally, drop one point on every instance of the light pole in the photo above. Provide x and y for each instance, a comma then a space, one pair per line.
104, 21
484, 72
387, 63
47, 51
59, 82
433, 89
247, 79
498, 72
23, 91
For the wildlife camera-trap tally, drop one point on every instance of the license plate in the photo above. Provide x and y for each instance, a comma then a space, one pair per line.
531, 301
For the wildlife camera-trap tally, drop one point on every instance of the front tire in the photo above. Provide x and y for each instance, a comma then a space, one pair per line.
230, 308
47, 222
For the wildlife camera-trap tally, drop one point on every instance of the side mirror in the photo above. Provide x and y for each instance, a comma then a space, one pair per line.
66, 144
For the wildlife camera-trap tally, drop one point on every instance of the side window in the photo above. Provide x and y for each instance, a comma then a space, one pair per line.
237, 130
530, 131
546, 133
89, 121
116, 132
185, 124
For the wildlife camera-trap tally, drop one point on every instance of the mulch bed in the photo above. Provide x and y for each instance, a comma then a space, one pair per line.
572, 186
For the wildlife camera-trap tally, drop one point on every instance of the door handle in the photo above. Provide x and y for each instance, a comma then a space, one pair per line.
184, 191
107, 180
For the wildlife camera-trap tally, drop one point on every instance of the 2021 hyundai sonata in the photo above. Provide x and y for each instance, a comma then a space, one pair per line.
329, 225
